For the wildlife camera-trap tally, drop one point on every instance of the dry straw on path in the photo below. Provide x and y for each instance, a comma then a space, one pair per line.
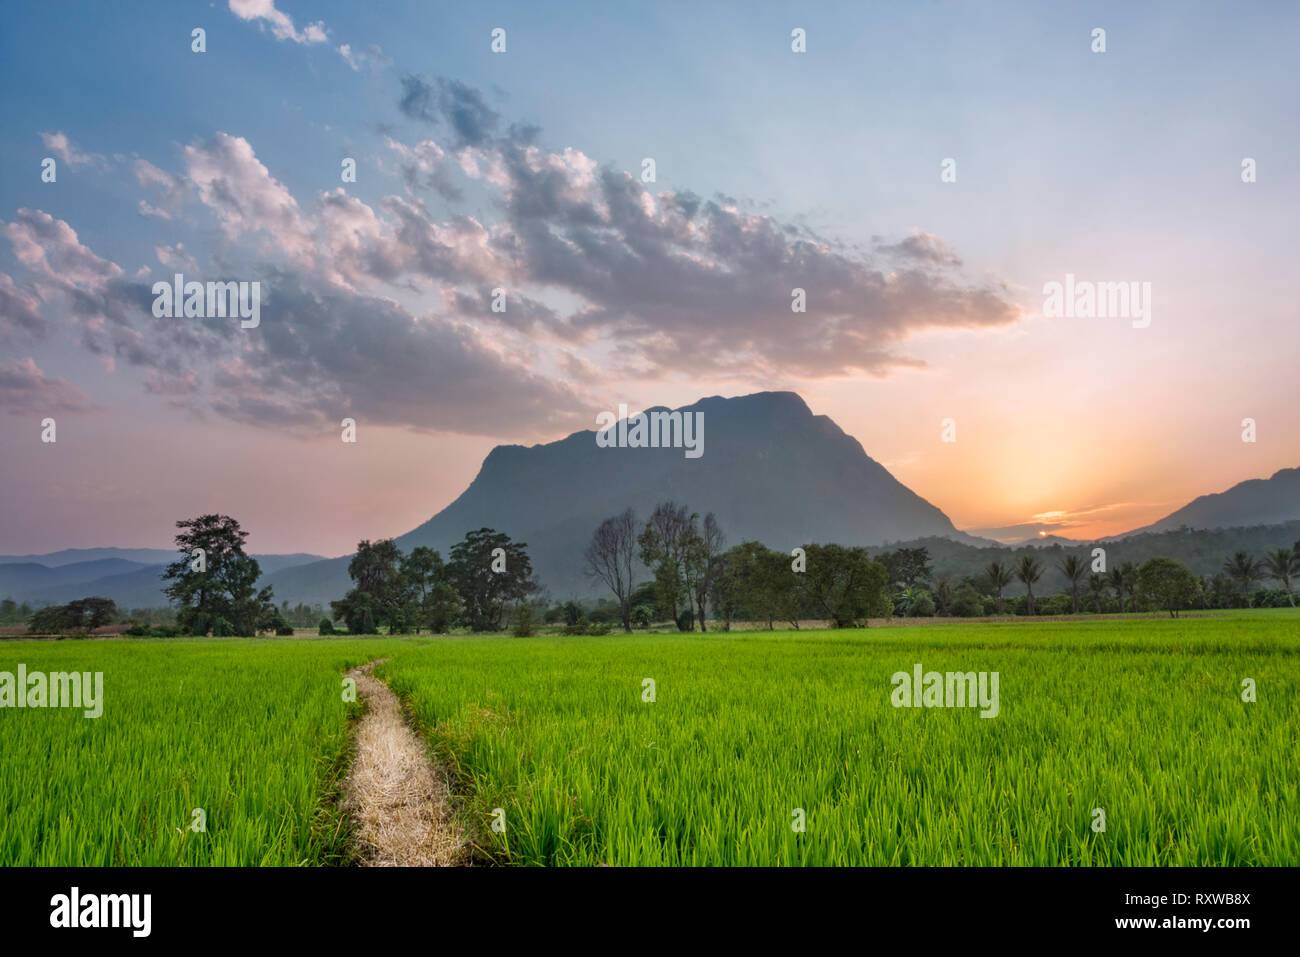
396, 795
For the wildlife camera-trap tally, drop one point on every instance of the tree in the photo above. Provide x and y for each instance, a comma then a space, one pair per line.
1115, 579
1167, 583
213, 581
610, 556
76, 617
1029, 571
943, 593
966, 603
999, 576
1128, 573
377, 595
701, 563
908, 567
845, 585
430, 600
663, 544
487, 580
1096, 590
1283, 564
1243, 570
1073, 568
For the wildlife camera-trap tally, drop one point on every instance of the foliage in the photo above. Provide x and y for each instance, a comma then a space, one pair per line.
217, 590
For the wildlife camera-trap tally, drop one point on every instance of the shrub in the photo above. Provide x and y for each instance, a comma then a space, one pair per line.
967, 603
598, 628
578, 627
284, 629
326, 627
523, 623
641, 616
922, 606
686, 621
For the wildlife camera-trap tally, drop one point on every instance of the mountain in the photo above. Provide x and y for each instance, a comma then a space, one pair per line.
52, 580
70, 556
770, 470
1270, 501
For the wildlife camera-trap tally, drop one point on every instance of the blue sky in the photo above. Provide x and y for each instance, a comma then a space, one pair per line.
1117, 166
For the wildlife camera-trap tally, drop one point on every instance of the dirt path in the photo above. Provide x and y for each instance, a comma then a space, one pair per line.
395, 793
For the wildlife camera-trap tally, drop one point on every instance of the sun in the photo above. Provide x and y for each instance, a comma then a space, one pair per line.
1042, 534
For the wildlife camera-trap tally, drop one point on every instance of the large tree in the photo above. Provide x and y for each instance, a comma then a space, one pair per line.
610, 557
1167, 583
429, 599
845, 585
702, 563
488, 581
377, 594
663, 544
214, 582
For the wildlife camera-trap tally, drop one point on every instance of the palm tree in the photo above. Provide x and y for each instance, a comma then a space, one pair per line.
1073, 568
1283, 564
999, 576
1116, 581
1029, 571
1097, 589
1243, 570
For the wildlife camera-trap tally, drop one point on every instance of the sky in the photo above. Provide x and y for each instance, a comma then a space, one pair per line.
927, 334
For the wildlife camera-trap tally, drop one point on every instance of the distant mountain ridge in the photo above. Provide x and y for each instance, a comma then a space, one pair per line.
1270, 501
54, 579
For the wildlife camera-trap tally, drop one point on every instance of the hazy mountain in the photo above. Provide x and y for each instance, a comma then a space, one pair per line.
51, 580
1270, 501
770, 470
69, 556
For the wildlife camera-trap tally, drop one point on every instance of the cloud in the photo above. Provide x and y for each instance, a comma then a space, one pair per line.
20, 316
601, 274
245, 197
281, 24
176, 258
169, 189
62, 147
368, 56
26, 390
50, 248
327, 356
922, 246
449, 103
693, 283
426, 165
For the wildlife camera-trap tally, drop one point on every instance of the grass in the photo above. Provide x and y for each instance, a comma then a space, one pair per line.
252, 732
1142, 718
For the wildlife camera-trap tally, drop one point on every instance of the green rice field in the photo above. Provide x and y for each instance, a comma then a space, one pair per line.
749, 736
